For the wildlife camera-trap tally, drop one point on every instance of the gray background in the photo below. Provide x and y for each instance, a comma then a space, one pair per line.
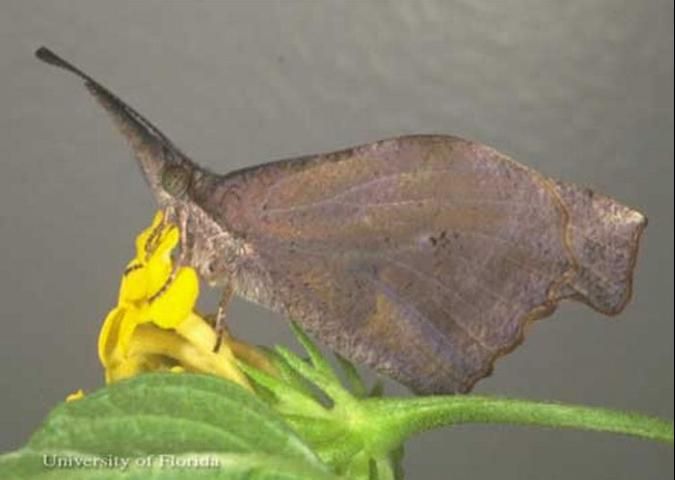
580, 90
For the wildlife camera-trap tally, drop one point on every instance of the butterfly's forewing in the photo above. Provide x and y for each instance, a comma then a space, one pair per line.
422, 256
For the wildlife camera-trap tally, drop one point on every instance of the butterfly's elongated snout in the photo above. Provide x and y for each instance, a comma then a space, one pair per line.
156, 154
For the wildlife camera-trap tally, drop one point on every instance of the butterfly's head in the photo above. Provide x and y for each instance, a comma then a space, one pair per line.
169, 173
174, 179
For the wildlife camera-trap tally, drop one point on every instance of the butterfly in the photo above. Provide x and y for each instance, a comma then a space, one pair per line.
424, 257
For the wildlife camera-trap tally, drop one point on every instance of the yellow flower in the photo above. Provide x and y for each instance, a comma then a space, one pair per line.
155, 326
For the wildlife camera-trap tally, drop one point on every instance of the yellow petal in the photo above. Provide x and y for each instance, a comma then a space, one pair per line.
118, 327
134, 286
131, 319
107, 338
159, 265
152, 340
126, 368
75, 396
175, 304
144, 236
200, 333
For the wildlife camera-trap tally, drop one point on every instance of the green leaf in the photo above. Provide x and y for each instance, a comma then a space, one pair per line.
319, 362
354, 380
181, 416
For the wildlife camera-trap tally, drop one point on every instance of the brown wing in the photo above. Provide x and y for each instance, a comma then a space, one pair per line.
425, 257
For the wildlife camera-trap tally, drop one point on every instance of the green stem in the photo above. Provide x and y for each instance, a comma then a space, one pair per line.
402, 417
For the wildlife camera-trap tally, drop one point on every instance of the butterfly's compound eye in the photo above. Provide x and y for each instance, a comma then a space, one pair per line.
175, 180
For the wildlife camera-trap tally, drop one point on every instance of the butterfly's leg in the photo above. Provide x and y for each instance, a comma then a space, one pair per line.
220, 327
182, 226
